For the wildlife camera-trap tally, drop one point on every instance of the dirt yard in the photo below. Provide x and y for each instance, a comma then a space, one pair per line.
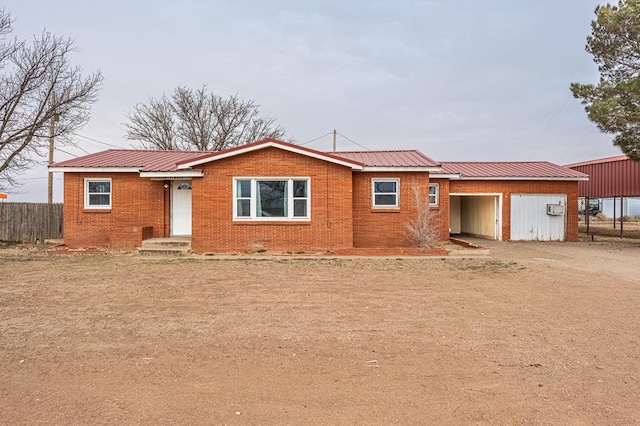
537, 333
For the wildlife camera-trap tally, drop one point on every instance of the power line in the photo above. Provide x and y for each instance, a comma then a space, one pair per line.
67, 152
315, 139
39, 178
97, 141
108, 121
82, 149
580, 70
354, 142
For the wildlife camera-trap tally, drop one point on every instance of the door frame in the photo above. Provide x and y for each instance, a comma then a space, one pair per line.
498, 206
172, 220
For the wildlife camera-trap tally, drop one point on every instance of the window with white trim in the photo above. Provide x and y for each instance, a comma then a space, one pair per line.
271, 198
385, 192
434, 194
97, 193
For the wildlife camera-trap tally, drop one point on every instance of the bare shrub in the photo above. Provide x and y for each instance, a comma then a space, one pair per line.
631, 218
423, 229
601, 216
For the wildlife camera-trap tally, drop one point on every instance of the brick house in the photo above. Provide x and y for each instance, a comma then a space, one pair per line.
275, 195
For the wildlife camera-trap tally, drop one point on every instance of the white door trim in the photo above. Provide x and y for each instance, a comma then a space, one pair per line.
181, 208
498, 207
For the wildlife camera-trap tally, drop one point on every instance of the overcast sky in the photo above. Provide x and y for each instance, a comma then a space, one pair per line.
467, 80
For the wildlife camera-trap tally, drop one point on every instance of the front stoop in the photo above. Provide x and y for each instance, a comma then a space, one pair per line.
166, 246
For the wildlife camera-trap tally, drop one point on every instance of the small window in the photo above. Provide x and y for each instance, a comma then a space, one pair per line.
243, 198
184, 186
97, 193
271, 198
300, 198
434, 194
385, 192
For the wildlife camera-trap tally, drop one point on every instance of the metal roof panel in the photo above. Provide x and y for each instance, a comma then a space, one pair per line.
609, 177
396, 158
145, 160
510, 169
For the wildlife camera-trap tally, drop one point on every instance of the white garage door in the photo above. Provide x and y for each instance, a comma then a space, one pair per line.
530, 219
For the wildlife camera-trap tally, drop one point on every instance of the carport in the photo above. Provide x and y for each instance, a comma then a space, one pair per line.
532, 200
613, 177
476, 215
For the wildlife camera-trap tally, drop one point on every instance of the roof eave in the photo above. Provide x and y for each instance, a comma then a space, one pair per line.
172, 174
94, 169
539, 178
401, 169
453, 176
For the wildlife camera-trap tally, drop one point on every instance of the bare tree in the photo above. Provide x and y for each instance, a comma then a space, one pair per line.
38, 84
199, 120
423, 229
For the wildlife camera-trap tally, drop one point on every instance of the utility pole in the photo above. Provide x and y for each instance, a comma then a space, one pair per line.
52, 132
335, 132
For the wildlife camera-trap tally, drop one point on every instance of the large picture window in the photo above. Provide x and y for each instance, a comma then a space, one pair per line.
97, 193
271, 199
385, 192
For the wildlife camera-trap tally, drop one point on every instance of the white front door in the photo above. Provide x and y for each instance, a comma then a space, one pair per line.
181, 208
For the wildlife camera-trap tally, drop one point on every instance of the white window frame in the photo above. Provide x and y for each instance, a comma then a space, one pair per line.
253, 216
87, 204
396, 193
436, 195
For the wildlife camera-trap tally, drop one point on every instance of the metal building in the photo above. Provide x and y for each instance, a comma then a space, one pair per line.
614, 177
609, 177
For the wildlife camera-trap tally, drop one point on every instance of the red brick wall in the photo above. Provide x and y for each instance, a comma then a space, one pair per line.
342, 215
331, 224
442, 211
506, 188
386, 227
136, 203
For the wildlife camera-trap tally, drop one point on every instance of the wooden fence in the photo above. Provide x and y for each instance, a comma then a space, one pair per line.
30, 222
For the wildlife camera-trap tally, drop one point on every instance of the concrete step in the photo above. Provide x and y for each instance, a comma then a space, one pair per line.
165, 246
163, 251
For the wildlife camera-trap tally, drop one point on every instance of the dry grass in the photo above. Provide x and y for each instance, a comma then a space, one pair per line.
518, 338
605, 229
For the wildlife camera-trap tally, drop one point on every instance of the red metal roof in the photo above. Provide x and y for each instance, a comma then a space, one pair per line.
598, 161
609, 177
510, 169
408, 158
144, 160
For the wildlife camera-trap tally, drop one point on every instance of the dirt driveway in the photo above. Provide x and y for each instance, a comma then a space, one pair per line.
537, 333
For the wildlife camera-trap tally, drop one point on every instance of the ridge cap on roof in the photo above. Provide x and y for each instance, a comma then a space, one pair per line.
376, 150
152, 150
